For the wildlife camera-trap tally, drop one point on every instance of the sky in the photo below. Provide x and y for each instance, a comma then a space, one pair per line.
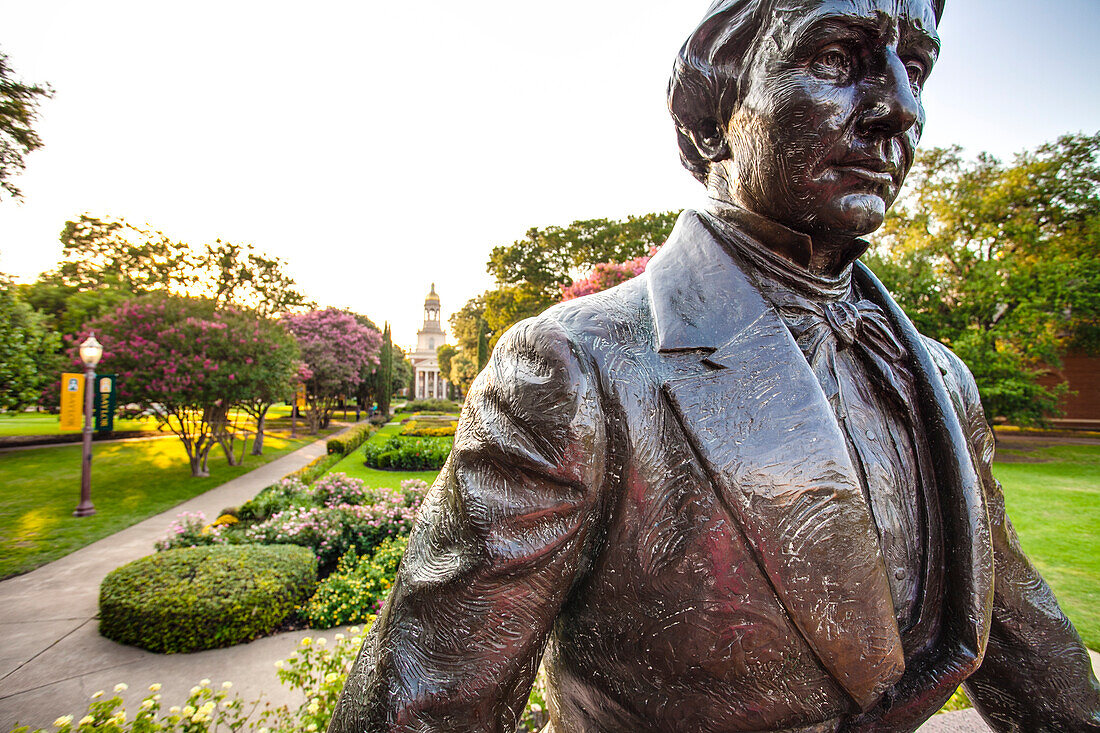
381, 147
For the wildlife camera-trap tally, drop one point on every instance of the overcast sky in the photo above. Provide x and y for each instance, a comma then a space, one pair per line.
381, 146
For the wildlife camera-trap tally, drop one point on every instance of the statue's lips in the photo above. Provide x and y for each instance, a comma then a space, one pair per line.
873, 171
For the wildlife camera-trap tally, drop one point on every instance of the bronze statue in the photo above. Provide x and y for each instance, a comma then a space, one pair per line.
739, 492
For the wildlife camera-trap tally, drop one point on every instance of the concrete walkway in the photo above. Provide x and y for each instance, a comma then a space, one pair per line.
52, 657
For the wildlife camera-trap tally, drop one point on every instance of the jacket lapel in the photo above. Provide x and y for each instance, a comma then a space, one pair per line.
968, 549
756, 417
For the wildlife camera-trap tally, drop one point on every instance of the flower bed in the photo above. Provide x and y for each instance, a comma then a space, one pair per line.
425, 428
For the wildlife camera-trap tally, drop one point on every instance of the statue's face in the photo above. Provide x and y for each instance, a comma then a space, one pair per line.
831, 114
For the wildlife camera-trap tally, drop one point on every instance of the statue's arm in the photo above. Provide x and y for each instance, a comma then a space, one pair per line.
499, 542
1036, 675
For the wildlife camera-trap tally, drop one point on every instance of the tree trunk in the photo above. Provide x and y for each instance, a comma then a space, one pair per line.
258, 443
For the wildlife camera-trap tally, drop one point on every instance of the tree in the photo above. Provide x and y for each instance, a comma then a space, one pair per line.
18, 114
532, 272
443, 355
463, 371
385, 372
187, 363
240, 275
468, 321
403, 371
274, 358
1001, 262
607, 275
339, 354
482, 348
27, 349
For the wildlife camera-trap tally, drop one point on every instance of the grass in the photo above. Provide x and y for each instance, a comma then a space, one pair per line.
1054, 503
43, 423
353, 464
40, 487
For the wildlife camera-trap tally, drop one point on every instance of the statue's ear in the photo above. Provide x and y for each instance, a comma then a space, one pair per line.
710, 140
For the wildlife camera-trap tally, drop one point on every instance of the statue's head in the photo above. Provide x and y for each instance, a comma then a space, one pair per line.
807, 112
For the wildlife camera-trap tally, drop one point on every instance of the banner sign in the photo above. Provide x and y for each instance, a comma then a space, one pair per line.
72, 401
300, 399
103, 402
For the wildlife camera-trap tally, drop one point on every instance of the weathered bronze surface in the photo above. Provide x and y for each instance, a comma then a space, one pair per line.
739, 492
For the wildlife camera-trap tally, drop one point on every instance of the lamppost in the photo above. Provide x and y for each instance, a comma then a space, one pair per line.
90, 353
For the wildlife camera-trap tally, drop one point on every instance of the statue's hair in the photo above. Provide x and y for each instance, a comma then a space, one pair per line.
708, 75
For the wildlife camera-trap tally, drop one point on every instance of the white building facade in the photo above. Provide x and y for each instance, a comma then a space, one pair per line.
430, 384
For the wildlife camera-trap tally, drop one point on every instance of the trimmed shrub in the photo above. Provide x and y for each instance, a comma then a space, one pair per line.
421, 428
355, 591
349, 440
196, 598
439, 405
409, 454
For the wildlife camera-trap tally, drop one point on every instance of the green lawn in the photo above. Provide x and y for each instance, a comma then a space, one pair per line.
1055, 507
42, 423
40, 487
353, 464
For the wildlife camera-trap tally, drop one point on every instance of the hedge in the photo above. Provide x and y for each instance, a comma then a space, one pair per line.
422, 428
431, 404
408, 454
349, 440
196, 598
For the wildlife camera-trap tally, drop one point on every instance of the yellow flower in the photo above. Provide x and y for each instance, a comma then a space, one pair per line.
155, 687
226, 519
86, 720
97, 694
121, 687
204, 682
174, 709
196, 690
147, 704
306, 641
226, 685
63, 721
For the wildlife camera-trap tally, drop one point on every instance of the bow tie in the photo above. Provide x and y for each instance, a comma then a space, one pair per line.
822, 329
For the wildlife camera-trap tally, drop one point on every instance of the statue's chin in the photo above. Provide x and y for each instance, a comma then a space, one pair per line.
856, 214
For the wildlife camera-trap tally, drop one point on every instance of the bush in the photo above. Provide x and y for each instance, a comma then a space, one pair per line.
420, 428
349, 440
409, 454
379, 420
330, 530
195, 598
437, 405
317, 468
355, 591
274, 499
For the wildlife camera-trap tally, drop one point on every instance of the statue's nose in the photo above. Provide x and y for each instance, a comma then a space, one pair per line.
890, 104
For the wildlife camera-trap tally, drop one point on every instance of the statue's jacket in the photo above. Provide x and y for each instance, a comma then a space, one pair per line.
650, 494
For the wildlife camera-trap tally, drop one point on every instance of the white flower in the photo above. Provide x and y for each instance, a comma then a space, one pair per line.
156, 697
121, 687
147, 703
264, 730
204, 682
226, 685
86, 720
188, 710
321, 641
331, 677
155, 687
339, 637
97, 694
353, 630
279, 664
174, 709
311, 727
196, 690
63, 721
208, 708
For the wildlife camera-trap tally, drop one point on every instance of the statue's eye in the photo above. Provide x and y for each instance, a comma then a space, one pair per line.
834, 63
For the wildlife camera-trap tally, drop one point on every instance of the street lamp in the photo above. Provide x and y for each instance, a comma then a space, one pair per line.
90, 353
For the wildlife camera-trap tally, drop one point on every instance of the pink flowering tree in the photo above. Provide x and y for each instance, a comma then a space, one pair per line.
606, 275
339, 354
190, 365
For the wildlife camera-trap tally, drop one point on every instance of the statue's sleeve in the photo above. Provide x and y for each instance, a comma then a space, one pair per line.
500, 540
1036, 675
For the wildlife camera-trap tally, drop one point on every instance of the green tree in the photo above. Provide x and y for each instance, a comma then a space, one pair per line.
1001, 262
238, 274
28, 351
18, 114
443, 355
463, 371
531, 273
384, 373
482, 348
